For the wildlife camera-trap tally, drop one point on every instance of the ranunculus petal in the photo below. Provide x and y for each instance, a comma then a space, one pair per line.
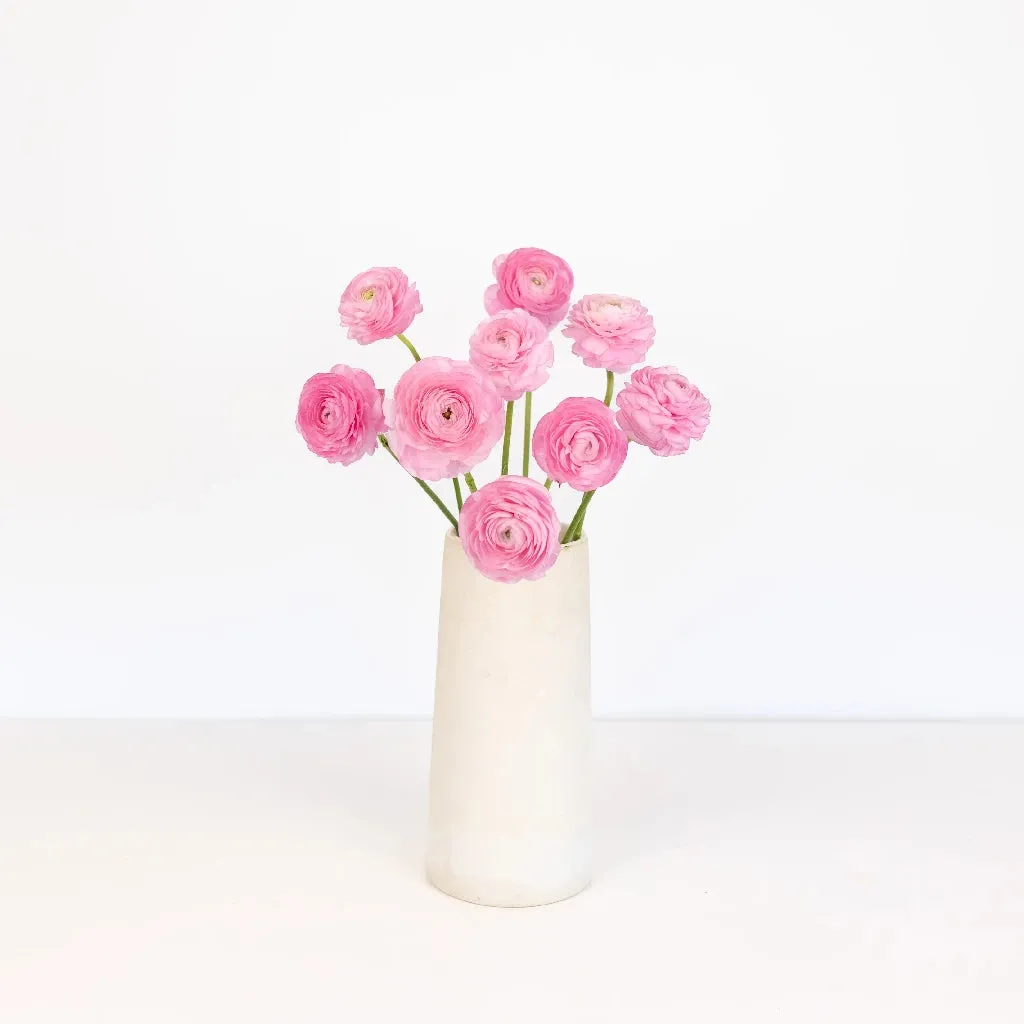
531, 279
579, 444
340, 414
610, 332
444, 418
514, 351
378, 303
510, 530
661, 409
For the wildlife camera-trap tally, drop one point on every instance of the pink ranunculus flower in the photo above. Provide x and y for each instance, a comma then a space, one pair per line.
444, 418
531, 279
661, 409
378, 303
513, 350
510, 530
340, 414
578, 444
610, 332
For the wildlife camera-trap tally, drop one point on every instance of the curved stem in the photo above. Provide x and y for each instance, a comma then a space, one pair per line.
608, 389
426, 487
439, 503
387, 447
527, 408
458, 492
409, 345
507, 443
579, 525
470, 482
575, 528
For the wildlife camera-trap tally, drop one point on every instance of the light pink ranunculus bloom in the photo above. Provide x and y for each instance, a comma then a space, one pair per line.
661, 409
531, 279
578, 444
610, 332
340, 414
444, 418
513, 350
510, 530
378, 303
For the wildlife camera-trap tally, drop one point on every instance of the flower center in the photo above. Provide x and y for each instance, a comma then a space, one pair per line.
447, 414
537, 280
584, 447
366, 294
506, 534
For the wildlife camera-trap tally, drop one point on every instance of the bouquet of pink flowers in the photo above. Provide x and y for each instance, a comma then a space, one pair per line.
445, 416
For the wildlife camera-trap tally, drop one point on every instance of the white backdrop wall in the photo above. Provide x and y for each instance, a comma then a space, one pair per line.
821, 204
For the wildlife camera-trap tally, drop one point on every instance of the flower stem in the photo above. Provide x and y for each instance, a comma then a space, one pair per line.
409, 345
439, 503
458, 492
548, 483
470, 482
579, 525
426, 487
575, 528
609, 387
507, 443
527, 409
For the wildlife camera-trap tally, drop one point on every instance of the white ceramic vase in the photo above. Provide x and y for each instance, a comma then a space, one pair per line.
510, 771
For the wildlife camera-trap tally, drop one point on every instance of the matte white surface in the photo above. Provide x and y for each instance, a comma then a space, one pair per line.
811, 873
820, 203
510, 769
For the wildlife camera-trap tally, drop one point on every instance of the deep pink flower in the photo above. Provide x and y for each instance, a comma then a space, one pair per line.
661, 409
610, 332
531, 279
378, 303
444, 418
340, 414
578, 444
512, 349
510, 530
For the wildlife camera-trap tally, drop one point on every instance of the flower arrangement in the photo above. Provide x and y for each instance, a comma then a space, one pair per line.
445, 416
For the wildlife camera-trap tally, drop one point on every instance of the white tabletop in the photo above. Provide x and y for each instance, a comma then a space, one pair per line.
271, 872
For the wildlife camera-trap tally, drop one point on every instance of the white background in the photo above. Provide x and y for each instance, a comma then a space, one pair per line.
820, 203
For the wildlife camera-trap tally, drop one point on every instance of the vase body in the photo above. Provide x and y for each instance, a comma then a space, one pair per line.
510, 770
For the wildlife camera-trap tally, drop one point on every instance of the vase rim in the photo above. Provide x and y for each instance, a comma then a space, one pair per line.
450, 535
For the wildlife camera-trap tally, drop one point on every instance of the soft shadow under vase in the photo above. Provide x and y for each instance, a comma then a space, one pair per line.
510, 770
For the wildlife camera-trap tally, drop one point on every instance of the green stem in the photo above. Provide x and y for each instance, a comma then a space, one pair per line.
579, 526
387, 447
609, 387
458, 492
427, 489
575, 528
548, 483
507, 443
409, 345
439, 503
470, 482
527, 408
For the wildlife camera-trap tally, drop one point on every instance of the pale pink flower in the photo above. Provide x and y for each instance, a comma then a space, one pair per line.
610, 332
340, 414
378, 303
510, 530
444, 418
578, 444
512, 349
531, 279
661, 409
